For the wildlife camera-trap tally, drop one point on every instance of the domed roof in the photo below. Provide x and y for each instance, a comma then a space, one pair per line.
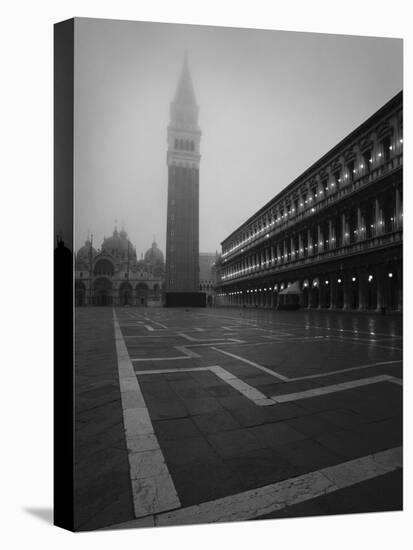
85, 251
154, 255
119, 245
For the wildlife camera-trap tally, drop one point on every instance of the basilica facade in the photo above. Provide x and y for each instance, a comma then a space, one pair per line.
333, 237
113, 275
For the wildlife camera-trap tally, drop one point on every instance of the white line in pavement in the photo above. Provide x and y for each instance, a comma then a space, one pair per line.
193, 339
362, 341
324, 390
259, 502
242, 387
256, 365
292, 338
155, 322
153, 490
298, 327
298, 378
199, 329
188, 354
147, 336
187, 351
348, 369
144, 359
169, 371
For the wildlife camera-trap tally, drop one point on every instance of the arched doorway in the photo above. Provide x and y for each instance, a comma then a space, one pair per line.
142, 295
80, 294
103, 292
125, 294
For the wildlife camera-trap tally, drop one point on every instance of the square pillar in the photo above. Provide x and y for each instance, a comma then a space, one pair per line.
362, 276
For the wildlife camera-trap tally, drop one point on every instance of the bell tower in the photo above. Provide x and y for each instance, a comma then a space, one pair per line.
183, 158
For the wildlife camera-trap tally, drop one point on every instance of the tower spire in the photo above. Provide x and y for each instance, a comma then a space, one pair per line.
185, 94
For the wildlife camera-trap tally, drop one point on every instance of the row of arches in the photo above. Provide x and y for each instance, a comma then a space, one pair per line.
371, 288
103, 294
184, 145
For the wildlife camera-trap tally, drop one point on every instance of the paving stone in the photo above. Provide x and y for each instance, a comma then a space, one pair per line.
202, 405
195, 448
283, 411
177, 429
236, 401
307, 455
204, 480
276, 434
260, 467
367, 439
217, 421
249, 415
314, 424
235, 443
221, 390
167, 409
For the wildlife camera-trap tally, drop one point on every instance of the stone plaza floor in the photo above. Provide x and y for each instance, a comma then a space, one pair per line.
203, 415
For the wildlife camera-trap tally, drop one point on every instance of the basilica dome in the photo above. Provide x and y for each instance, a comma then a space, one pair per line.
119, 246
154, 255
85, 253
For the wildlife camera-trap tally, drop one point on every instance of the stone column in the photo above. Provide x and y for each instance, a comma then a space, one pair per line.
362, 276
399, 287
310, 244
272, 255
333, 291
360, 224
378, 218
331, 234
278, 253
344, 230
292, 246
381, 287
300, 245
310, 294
320, 239
322, 290
398, 219
347, 291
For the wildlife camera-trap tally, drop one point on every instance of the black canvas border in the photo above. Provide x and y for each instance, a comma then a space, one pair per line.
63, 428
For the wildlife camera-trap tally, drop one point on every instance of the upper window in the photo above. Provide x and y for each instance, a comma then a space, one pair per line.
386, 147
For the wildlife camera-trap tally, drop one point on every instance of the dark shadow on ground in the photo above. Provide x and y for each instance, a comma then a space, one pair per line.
44, 514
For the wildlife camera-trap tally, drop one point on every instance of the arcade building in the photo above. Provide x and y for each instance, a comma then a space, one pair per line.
114, 276
333, 237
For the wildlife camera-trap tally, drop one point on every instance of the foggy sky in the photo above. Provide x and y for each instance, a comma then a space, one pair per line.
271, 103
